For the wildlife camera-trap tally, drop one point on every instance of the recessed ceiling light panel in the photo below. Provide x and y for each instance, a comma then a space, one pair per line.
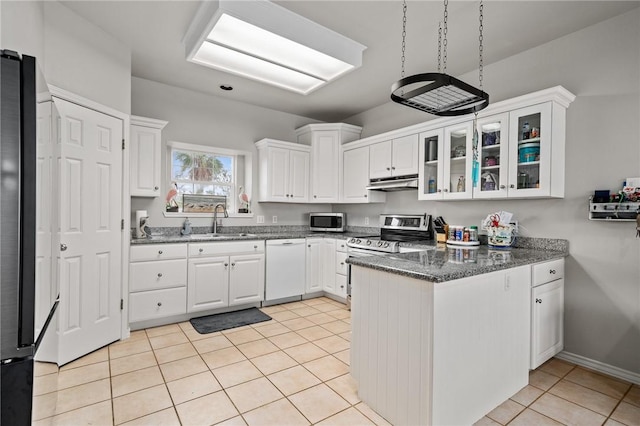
266, 42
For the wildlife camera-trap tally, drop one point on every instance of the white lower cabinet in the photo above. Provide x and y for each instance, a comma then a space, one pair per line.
321, 266
547, 311
341, 268
149, 305
225, 274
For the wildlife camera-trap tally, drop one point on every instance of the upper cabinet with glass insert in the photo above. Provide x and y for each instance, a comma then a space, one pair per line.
493, 158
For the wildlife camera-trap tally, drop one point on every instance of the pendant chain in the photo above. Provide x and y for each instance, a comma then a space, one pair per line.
439, 45
404, 33
480, 48
444, 42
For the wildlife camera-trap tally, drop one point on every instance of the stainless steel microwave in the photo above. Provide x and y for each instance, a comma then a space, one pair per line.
328, 222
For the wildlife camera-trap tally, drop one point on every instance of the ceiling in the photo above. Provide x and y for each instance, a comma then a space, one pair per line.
154, 31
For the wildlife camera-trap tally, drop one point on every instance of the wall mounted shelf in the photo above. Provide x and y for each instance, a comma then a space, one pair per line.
625, 211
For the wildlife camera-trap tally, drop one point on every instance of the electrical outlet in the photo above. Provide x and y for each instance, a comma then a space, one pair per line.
260, 219
274, 219
366, 220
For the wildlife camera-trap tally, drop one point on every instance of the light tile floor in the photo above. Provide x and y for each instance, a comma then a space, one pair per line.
293, 370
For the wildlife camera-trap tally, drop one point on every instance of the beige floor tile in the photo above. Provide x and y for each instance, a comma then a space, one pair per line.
80, 375
166, 417
287, 340
344, 356
96, 414
627, 414
212, 343
611, 422
372, 415
346, 320
293, 380
194, 336
318, 403
297, 323
253, 394
305, 311
633, 396
314, 301
133, 336
532, 418
281, 413
99, 355
182, 368
192, 387
326, 307
165, 329
273, 309
222, 357
284, 315
314, 333
593, 400
346, 387
186, 326
206, 410
173, 353
233, 421
129, 348
71, 399
306, 352
542, 380
166, 340
557, 367
592, 380
326, 368
272, 329
486, 421
346, 336
332, 344
273, 362
505, 412
340, 314
294, 305
45, 384
141, 403
257, 348
337, 327
130, 363
44, 368
244, 336
136, 380
321, 318
527, 395
348, 417
566, 412
237, 373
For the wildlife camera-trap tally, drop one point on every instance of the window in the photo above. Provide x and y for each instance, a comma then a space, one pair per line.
207, 171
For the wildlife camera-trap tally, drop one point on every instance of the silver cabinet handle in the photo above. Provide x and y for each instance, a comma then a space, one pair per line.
393, 168
388, 168
439, 190
365, 195
538, 300
255, 247
159, 251
226, 264
552, 271
445, 190
315, 196
512, 186
309, 246
155, 188
63, 247
284, 244
233, 264
159, 303
200, 250
342, 263
159, 274
503, 187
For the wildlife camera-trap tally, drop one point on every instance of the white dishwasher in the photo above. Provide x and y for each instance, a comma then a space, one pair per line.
285, 275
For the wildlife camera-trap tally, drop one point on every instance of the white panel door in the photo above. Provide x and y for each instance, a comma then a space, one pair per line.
325, 162
547, 337
246, 279
298, 178
90, 179
208, 283
405, 156
278, 166
145, 161
356, 174
380, 160
314, 265
328, 264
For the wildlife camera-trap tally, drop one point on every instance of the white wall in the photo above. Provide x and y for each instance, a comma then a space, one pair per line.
22, 27
209, 120
601, 65
82, 58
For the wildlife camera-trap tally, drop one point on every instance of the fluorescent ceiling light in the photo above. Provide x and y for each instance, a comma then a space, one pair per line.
266, 42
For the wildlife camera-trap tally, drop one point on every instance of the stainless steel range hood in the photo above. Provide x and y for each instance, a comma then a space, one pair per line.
401, 183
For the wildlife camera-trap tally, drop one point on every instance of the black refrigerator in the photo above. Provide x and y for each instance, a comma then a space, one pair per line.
21, 87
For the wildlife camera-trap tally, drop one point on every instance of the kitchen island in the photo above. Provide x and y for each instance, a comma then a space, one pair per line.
442, 336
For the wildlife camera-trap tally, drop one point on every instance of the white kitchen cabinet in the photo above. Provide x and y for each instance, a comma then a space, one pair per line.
431, 158
356, 178
283, 171
328, 262
397, 157
321, 265
458, 162
145, 154
341, 268
225, 274
158, 280
547, 311
493, 157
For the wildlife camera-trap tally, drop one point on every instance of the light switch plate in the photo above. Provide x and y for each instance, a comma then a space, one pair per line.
274, 219
260, 219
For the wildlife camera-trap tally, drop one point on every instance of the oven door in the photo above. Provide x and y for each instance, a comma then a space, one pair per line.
355, 252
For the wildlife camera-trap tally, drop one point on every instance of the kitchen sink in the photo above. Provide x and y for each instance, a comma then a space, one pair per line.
219, 236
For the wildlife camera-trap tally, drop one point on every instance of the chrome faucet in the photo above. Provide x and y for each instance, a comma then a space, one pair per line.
215, 216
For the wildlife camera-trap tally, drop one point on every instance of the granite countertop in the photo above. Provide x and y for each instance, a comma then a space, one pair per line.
440, 263
242, 236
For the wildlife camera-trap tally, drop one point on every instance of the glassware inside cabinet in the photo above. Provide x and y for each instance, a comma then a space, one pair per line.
529, 151
458, 161
489, 156
431, 164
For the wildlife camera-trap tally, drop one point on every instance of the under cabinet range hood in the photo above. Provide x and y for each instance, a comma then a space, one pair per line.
400, 183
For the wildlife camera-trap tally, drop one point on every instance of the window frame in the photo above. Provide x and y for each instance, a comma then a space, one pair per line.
239, 179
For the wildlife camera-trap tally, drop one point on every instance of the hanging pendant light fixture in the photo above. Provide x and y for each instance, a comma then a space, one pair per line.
437, 92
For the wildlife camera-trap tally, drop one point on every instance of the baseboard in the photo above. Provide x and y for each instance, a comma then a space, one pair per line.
601, 367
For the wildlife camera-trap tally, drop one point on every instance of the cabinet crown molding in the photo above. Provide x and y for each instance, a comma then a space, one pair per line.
136, 120
282, 144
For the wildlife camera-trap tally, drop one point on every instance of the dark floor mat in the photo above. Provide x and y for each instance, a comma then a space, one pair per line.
227, 320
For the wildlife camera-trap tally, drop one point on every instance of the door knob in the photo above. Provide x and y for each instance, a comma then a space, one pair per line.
63, 247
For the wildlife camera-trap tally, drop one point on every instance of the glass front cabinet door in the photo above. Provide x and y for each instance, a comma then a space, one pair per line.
530, 152
458, 156
493, 157
431, 155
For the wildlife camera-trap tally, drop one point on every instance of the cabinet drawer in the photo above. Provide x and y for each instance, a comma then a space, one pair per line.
158, 252
215, 249
145, 276
547, 271
341, 264
341, 285
341, 245
157, 304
